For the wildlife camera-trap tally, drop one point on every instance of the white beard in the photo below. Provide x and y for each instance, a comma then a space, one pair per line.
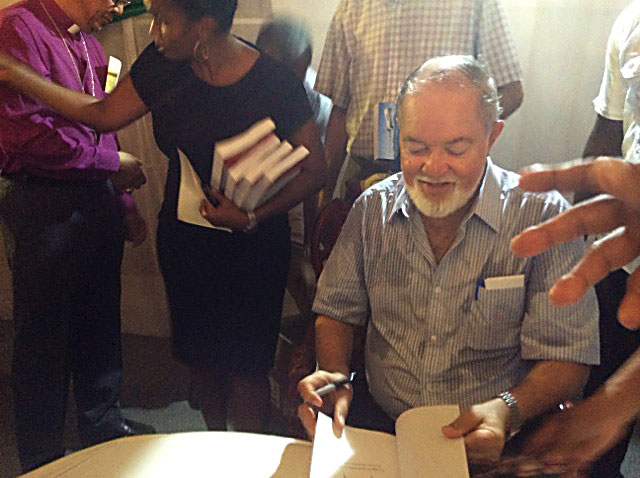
429, 208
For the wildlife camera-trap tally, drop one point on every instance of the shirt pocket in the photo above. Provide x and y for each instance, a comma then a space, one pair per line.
495, 319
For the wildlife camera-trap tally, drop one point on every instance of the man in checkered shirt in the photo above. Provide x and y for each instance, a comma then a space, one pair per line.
373, 45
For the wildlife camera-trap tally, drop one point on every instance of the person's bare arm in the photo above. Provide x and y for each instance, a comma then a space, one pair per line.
569, 440
120, 108
334, 343
511, 96
335, 149
484, 426
605, 139
309, 181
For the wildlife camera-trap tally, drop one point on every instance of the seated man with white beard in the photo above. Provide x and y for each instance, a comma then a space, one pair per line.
424, 263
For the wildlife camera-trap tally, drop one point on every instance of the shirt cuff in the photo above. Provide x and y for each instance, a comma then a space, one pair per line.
125, 200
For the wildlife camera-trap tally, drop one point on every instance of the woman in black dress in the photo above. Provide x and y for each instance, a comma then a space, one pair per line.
225, 291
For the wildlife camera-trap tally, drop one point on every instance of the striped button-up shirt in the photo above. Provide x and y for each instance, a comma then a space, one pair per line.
373, 45
434, 336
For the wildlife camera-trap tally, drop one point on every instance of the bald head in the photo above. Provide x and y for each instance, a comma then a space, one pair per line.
287, 40
457, 71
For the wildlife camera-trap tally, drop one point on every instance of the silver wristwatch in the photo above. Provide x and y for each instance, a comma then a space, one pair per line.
515, 421
253, 222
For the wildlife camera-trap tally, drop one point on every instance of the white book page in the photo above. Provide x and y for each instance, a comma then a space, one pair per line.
191, 195
274, 158
357, 454
423, 451
230, 147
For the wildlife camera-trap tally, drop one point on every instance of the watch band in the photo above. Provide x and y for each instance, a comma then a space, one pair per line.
253, 222
515, 421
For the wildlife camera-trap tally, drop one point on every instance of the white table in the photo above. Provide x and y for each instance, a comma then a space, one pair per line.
188, 455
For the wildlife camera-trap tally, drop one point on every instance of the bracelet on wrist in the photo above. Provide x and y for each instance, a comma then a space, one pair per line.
253, 222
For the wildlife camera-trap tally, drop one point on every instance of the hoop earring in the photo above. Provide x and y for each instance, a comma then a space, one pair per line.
200, 52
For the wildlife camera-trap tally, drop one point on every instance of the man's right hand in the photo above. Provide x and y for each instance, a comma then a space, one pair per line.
130, 175
336, 403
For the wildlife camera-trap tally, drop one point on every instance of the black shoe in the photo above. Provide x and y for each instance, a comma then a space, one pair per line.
131, 428
125, 428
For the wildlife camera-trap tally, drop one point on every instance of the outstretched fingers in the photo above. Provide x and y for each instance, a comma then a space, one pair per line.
629, 310
604, 256
598, 215
602, 175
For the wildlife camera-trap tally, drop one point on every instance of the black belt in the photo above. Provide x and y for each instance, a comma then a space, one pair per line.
27, 177
374, 165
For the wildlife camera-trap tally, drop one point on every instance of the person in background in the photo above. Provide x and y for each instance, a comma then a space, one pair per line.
371, 47
64, 214
225, 290
575, 438
287, 40
416, 264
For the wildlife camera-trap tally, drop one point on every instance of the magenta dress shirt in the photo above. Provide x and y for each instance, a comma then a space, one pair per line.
33, 138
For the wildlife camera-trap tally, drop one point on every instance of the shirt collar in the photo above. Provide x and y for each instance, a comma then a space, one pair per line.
487, 205
63, 21
402, 201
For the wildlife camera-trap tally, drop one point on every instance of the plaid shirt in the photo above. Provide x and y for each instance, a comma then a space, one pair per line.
373, 45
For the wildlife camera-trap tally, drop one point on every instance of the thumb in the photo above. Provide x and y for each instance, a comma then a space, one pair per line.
206, 208
213, 194
340, 412
462, 425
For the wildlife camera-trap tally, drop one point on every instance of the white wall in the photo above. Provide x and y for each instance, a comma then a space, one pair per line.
561, 45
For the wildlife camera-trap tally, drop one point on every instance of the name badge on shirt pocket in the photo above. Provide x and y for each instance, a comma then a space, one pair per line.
504, 282
498, 306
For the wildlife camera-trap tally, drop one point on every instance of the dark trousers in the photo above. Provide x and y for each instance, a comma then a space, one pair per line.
64, 243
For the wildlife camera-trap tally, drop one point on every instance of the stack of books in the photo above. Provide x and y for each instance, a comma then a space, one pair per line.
248, 169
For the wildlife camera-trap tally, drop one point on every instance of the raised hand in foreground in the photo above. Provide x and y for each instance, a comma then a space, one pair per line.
615, 211
571, 440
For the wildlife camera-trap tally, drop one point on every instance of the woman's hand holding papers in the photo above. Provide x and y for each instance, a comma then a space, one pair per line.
336, 402
221, 212
617, 212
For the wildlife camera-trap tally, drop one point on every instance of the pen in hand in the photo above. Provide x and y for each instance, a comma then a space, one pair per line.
331, 387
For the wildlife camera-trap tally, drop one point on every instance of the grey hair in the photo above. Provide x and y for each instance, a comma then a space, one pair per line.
462, 70
285, 38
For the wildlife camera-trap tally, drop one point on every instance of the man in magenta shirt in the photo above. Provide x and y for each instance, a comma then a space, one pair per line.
63, 212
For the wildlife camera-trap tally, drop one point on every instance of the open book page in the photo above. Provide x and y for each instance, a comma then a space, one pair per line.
191, 195
423, 451
357, 454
